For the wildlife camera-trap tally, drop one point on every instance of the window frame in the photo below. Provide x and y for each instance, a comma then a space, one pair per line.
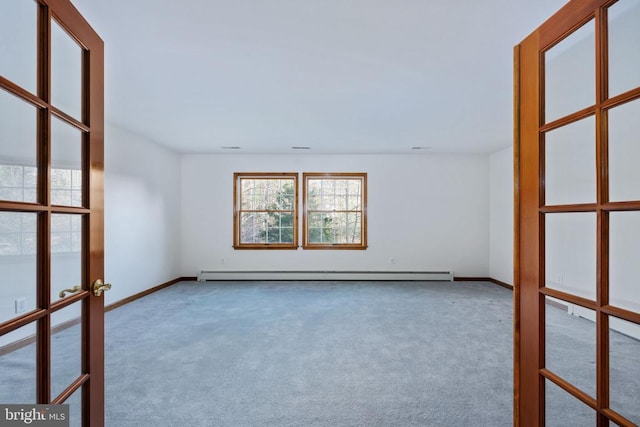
237, 209
306, 177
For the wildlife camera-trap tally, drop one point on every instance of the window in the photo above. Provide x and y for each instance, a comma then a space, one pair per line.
335, 206
18, 183
66, 233
265, 211
18, 231
66, 187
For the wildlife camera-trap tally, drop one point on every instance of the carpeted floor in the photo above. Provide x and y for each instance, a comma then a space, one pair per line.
329, 354
312, 354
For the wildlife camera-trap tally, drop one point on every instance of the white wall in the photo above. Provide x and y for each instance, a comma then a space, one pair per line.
428, 212
142, 214
501, 215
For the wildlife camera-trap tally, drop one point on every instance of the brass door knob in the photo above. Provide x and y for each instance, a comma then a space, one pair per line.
73, 290
99, 287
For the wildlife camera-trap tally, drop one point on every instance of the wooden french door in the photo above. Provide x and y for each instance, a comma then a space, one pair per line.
577, 152
51, 209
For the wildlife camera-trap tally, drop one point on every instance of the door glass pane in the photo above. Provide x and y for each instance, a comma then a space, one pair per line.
570, 164
624, 261
66, 72
18, 264
570, 340
66, 164
18, 171
570, 253
66, 255
18, 366
569, 78
66, 347
564, 410
18, 42
75, 408
624, 39
624, 152
624, 365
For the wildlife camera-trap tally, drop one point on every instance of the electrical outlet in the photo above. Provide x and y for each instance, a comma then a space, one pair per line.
21, 305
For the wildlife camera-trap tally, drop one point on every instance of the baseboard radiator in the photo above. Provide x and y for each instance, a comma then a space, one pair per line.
212, 275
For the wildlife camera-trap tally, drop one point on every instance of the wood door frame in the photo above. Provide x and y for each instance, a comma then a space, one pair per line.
530, 210
526, 146
91, 123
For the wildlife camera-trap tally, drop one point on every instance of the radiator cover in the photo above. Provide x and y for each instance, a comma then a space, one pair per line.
211, 275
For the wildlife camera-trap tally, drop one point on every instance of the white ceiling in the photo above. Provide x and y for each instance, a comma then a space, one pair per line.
339, 76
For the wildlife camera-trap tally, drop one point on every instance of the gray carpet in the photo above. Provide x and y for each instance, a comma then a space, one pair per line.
312, 354
327, 354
